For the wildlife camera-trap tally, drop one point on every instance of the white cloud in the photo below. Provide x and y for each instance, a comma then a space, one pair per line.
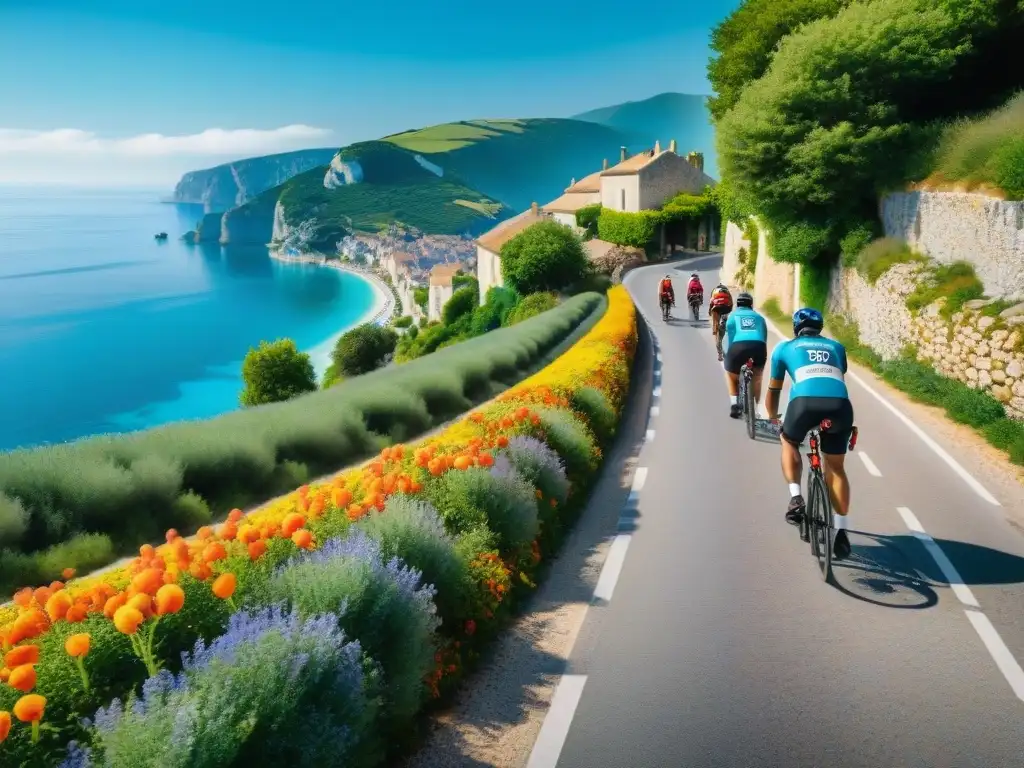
241, 142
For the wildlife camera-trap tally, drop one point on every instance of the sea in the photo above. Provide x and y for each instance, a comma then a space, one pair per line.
105, 329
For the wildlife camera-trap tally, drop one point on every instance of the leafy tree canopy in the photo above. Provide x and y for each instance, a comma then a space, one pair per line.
363, 349
274, 372
544, 257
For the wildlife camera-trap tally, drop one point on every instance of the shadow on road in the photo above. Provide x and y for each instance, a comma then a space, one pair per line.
878, 572
976, 564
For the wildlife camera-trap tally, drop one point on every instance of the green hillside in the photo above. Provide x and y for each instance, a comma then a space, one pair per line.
393, 188
680, 116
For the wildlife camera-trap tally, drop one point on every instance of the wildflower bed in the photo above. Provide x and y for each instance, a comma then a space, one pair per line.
314, 631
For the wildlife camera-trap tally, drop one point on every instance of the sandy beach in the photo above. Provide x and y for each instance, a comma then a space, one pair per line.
380, 312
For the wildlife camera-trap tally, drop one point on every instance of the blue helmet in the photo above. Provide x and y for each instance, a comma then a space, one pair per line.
807, 319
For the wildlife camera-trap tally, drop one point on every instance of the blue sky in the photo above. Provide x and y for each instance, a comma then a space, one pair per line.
135, 92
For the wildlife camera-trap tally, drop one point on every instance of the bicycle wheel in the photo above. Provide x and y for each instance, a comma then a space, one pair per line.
748, 403
821, 524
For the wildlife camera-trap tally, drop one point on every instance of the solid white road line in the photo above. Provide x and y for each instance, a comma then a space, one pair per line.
869, 464
961, 590
953, 464
1000, 653
555, 730
612, 567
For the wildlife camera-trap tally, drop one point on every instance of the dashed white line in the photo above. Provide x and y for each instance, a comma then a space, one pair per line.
650, 435
655, 410
639, 478
555, 730
1000, 653
961, 590
612, 567
869, 464
656, 392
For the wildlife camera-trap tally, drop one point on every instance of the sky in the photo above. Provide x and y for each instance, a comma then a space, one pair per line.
137, 92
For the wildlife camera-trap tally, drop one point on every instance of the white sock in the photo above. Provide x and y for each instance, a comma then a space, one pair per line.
794, 489
841, 523
734, 399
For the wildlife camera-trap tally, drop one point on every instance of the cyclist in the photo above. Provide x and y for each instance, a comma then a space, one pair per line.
721, 305
817, 366
666, 294
695, 288
746, 337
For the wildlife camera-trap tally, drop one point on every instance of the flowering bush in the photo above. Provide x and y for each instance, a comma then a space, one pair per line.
192, 635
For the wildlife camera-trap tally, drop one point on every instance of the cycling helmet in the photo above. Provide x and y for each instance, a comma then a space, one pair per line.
694, 276
744, 300
807, 320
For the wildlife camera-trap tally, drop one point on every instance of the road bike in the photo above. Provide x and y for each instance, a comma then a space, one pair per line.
818, 522
720, 335
695, 301
665, 306
747, 396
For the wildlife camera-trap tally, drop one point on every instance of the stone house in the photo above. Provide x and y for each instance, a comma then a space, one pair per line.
440, 288
488, 247
579, 194
647, 180
394, 261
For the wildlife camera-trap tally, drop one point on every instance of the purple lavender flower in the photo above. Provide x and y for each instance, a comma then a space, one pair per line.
77, 756
539, 464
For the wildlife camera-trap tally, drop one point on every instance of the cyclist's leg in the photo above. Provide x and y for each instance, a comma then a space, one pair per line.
798, 421
737, 355
834, 444
759, 352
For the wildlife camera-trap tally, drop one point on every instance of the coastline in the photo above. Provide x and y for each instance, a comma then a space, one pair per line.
380, 312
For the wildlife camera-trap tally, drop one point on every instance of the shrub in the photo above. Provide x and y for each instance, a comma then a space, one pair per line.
572, 441
877, 258
412, 529
405, 321
586, 218
531, 306
815, 283
854, 243
494, 311
1004, 432
628, 229
540, 466
916, 379
462, 302
973, 407
275, 372
476, 498
598, 412
956, 283
421, 296
363, 349
13, 521
546, 256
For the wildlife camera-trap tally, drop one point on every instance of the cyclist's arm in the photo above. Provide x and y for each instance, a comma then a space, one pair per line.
776, 378
842, 357
730, 332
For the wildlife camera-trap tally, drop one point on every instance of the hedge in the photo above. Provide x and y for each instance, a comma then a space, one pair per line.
314, 631
623, 228
129, 488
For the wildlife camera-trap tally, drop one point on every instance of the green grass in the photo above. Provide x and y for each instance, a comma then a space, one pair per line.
956, 282
447, 137
487, 209
987, 151
774, 312
133, 487
882, 255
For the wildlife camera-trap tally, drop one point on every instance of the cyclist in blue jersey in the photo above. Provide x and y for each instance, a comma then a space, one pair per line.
817, 366
746, 337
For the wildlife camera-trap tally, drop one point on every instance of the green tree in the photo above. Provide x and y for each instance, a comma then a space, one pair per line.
276, 371
421, 296
544, 257
363, 349
492, 313
825, 129
462, 302
747, 38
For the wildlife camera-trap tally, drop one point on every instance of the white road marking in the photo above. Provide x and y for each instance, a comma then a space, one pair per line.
656, 392
961, 590
553, 733
658, 357
655, 410
650, 435
612, 567
639, 478
953, 464
1000, 653
869, 464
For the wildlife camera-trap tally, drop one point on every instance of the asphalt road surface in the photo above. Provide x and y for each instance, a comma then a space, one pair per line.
716, 643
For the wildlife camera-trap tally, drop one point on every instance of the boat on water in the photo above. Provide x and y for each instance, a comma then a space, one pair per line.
160, 236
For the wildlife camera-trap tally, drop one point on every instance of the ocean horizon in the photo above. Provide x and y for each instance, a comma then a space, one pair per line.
105, 329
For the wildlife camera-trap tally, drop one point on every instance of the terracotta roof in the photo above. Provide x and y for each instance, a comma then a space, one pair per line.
597, 248
571, 202
440, 278
401, 257
501, 234
632, 164
446, 269
591, 183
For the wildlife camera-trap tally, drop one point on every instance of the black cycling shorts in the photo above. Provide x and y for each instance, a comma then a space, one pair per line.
806, 413
741, 351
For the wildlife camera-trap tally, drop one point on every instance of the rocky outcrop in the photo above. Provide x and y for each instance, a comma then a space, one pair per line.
984, 231
232, 184
880, 310
341, 173
208, 230
250, 224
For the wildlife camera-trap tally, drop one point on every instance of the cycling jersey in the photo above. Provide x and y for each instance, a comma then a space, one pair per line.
694, 287
744, 324
721, 300
815, 363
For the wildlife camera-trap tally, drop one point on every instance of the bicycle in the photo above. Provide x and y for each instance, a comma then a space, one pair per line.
818, 523
665, 305
695, 301
747, 396
720, 335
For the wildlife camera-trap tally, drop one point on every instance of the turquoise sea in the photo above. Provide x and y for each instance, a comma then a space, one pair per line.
104, 329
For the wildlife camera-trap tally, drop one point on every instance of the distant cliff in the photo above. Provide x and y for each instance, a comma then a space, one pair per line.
250, 224
232, 184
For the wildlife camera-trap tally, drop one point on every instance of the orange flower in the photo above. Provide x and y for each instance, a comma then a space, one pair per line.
171, 535
5, 675
303, 539
146, 552
77, 645
200, 571
23, 678
67, 573
247, 533
141, 602
256, 549
148, 581
113, 603
214, 551
291, 524
224, 585
5, 725
486, 460
462, 462
229, 531
435, 467
42, 594
204, 533
341, 497
76, 613
169, 599
23, 597
234, 515
127, 619
23, 654
30, 708
354, 512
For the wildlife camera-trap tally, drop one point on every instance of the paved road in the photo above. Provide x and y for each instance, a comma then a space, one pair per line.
720, 644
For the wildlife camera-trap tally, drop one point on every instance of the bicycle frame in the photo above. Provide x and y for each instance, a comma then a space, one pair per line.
820, 520
747, 396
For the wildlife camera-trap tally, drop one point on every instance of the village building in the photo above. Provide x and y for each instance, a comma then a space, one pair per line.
579, 194
488, 247
394, 261
440, 288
